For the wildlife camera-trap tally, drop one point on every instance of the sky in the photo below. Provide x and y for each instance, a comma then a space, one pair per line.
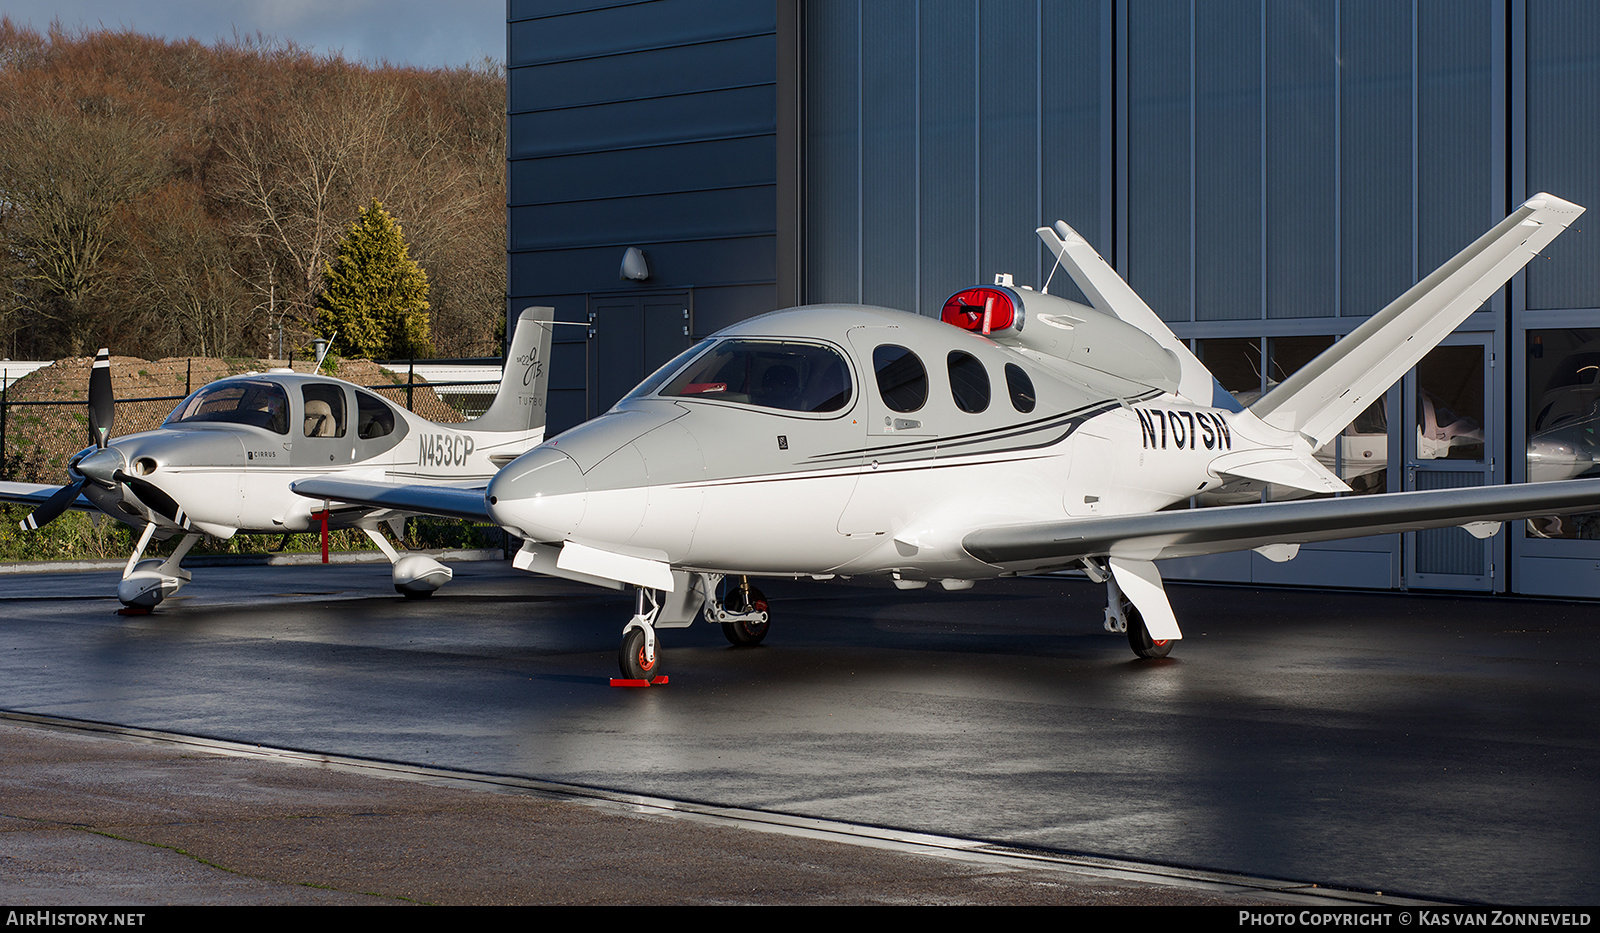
420, 33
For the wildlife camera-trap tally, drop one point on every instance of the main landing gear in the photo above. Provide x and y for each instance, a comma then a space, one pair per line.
741, 611
145, 583
1124, 617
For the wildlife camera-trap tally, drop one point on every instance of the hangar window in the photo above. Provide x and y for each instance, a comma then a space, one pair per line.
1020, 387
969, 382
254, 402
902, 379
324, 414
777, 374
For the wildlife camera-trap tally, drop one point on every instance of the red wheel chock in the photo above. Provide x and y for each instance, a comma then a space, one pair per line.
656, 681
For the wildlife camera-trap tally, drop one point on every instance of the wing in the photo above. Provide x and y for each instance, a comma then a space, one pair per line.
1190, 532
37, 493
465, 502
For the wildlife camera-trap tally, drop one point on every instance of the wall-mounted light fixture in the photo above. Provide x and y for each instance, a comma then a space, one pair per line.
633, 265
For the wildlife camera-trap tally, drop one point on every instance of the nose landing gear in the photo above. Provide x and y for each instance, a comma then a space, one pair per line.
742, 613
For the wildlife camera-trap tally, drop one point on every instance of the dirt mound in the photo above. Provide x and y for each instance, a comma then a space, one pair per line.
46, 417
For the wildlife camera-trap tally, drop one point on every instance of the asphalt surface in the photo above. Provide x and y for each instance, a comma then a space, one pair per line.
1433, 747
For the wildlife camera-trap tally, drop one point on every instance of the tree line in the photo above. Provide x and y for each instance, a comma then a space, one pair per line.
177, 199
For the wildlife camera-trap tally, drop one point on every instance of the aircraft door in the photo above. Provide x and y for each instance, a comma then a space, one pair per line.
894, 428
322, 435
1448, 431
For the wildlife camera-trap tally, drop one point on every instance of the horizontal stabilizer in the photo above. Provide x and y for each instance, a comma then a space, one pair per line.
1323, 396
1280, 467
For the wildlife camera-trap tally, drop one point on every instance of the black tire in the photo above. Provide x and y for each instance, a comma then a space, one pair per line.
414, 594
746, 634
631, 657
1139, 638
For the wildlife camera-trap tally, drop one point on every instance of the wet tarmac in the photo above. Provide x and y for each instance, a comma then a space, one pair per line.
1437, 747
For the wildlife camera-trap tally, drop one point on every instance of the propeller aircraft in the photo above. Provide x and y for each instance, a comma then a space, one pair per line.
223, 461
1018, 433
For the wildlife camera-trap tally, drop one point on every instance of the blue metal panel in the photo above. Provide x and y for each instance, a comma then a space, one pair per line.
719, 307
690, 215
740, 260
1375, 152
833, 152
1455, 130
1008, 139
566, 34
651, 121
1159, 157
946, 164
1227, 161
888, 150
1071, 103
750, 160
1563, 137
677, 70
1301, 69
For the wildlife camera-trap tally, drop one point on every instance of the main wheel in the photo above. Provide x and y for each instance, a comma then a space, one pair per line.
745, 634
631, 657
1139, 638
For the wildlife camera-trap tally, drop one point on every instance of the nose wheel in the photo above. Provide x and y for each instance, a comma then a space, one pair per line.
638, 660
640, 654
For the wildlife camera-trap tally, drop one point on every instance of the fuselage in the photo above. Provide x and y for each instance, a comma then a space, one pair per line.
229, 451
769, 450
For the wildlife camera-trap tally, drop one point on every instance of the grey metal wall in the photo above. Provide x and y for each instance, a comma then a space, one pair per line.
648, 124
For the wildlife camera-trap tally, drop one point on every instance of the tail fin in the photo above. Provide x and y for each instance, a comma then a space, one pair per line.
1326, 394
520, 403
1109, 294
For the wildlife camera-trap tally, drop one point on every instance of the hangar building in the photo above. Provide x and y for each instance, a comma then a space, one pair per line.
1265, 173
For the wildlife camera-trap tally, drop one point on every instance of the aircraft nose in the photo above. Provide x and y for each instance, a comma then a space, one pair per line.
540, 495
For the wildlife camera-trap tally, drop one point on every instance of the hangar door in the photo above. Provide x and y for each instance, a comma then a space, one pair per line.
1449, 441
629, 336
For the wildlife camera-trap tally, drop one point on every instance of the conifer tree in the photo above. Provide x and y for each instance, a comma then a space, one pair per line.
373, 294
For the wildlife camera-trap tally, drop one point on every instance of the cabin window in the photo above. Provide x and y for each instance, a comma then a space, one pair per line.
374, 418
969, 382
324, 409
784, 375
902, 379
254, 402
1020, 387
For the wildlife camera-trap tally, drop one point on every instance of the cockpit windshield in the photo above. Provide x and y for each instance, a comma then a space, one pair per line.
785, 375
255, 402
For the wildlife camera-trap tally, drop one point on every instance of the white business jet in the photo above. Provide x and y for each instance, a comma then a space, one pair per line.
1019, 433
223, 461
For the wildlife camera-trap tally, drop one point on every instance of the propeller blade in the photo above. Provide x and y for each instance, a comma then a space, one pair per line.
102, 404
150, 494
52, 507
